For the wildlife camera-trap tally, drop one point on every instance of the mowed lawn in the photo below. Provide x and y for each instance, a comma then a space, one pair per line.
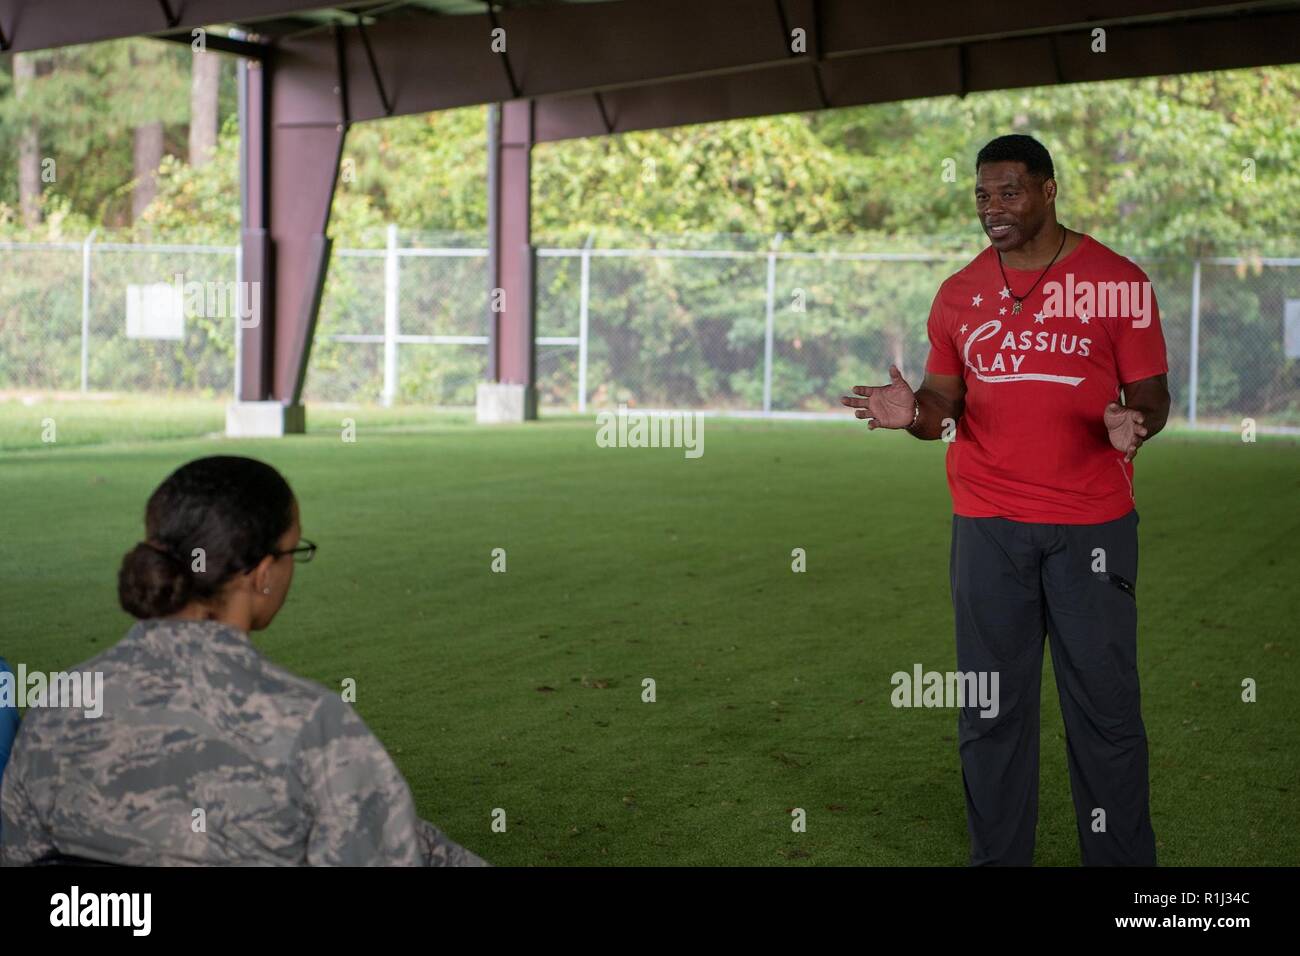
523, 690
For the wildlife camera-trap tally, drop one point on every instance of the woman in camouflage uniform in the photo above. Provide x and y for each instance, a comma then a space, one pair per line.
206, 752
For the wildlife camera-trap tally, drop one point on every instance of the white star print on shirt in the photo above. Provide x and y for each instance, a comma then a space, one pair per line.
1005, 293
1002, 311
1083, 318
1038, 317
962, 330
977, 300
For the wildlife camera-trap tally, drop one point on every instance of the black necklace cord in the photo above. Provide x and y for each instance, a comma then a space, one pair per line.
1021, 298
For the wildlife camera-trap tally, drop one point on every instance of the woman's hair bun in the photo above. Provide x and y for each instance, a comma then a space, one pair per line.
152, 582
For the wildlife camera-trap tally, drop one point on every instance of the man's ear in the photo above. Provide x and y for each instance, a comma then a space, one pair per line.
1049, 189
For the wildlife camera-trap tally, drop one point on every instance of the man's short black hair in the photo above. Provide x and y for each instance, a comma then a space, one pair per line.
1017, 148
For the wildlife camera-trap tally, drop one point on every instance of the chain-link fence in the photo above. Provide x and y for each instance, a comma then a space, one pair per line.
747, 325
785, 330
1248, 340
403, 324
777, 331
93, 317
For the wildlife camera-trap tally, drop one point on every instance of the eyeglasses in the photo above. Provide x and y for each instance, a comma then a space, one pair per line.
305, 551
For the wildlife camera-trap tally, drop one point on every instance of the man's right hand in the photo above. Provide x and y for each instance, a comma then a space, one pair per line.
887, 406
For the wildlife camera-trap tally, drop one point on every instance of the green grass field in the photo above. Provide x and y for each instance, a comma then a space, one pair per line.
522, 690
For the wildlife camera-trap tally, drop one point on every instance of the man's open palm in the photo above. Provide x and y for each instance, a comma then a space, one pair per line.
888, 406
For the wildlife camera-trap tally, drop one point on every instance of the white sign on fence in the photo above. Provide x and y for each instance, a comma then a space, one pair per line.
1291, 338
155, 311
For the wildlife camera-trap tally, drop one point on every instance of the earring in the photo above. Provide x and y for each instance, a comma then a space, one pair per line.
266, 590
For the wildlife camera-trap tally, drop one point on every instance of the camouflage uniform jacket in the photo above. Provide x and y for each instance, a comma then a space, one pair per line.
195, 719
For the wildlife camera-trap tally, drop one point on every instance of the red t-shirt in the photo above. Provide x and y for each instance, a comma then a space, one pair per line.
1031, 444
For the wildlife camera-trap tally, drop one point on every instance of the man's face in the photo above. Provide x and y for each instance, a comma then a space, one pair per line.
1012, 204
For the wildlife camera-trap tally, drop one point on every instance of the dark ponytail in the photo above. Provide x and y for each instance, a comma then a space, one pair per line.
210, 520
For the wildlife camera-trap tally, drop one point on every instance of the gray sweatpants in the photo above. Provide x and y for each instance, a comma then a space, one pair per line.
1012, 583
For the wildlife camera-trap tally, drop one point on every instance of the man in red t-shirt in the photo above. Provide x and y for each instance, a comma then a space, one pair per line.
1046, 374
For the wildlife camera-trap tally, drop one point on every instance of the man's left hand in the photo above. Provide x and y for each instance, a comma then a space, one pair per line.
1125, 429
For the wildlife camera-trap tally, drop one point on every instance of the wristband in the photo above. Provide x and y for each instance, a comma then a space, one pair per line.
916, 415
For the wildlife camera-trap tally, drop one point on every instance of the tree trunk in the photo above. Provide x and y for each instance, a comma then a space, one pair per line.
148, 156
204, 85
29, 145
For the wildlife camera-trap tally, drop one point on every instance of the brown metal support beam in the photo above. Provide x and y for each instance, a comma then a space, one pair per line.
305, 157
168, 13
43, 24
433, 63
221, 44
818, 52
604, 113
374, 68
439, 62
1232, 42
514, 347
256, 342
291, 161
505, 53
